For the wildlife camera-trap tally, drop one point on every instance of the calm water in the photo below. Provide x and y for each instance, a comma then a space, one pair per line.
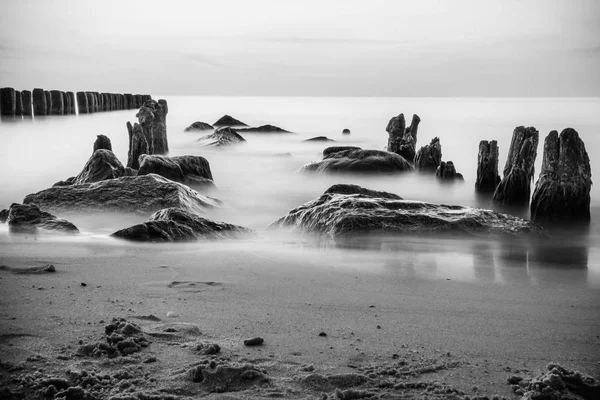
259, 185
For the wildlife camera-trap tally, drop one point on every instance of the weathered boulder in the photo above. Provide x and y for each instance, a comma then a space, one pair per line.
82, 103
29, 218
102, 142
66, 182
515, 188
228, 120
487, 167
349, 210
264, 129
447, 172
222, 137
189, 170
319, 139
133, 194
360, 161
27, 103
335, 149
562, 192
138, 145
152, 117
346, 131
174, 225
7, 102
39, 102
402, 140
18, 104
199, 126
429, 157
102, 165
48, 102
58, 105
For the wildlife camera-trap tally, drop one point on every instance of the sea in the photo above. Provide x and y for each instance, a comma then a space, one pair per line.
259, 181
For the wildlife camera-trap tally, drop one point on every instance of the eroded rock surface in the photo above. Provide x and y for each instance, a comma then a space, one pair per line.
222, 137
102, 165
264, 129
447, 172
228, 120
429, 157
29, 218
487, 167
102, 142
360, 161
199, 126
402, 140
190, 170
152, 118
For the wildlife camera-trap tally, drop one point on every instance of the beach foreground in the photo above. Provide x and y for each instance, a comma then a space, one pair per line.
398, 335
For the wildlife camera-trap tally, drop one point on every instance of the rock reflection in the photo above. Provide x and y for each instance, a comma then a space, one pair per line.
511, 259
484, 267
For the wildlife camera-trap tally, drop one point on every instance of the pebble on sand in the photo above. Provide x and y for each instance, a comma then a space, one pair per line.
256, 341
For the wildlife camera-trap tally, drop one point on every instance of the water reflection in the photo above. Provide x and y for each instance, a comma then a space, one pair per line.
484, 266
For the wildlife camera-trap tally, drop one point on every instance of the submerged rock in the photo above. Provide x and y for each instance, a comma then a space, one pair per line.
348, 210
102, 142
102, 165
3, 216
429, 157
175, 225
335, 149
562, 192
447, 172
346, 131
487, 167
319, 139
228, 120
134, 194
222, 137
264, 129
402, 140
190, 170
199, 126
360, 161
28, 218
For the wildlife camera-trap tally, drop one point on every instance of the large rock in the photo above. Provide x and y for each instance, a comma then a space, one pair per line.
346, 131
228, 120
349, 210
7, 102
360, 161
264, 129
402, 140
102, 142
134, 194
27, 103
562, 192
515, 188
189, 170
29, 218
335, 149
39, 102
138, 145
174, 225
199, 126
487, 167
152, 117
447, 172
222, 137
102, 165
429, 157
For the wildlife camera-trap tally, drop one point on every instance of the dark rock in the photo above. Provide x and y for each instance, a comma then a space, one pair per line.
323, 334
487, 167
102, 142
138, 145
175, 225
28, 218
403, 140
256, 341
562, 192
515, 188
102, 165
72, 102
347, 210
447, 172
264, 129
335, 149
222, 137
152, 117
319, 139
429, 157
3, 216
135, 194
346, 131
227, 120
7, 102
58, 104
82, 103
48, 102
189, 170
27, 103
18, 104
66, 182
199, 126
39, 102
360, 161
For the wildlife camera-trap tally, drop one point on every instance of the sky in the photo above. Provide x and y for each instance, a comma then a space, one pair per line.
483, 48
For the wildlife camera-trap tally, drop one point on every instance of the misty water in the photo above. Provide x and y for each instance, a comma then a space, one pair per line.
259, 180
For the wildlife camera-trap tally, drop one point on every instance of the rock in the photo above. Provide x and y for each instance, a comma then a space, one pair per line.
256, 341
175, 225
264, 129
18, 104
199, 126
335, 149
29, 218
3, 216
227, 120
152, 117
348, 210
561, 383
48, 102
515, 188
102, 142
135, 194
72, 102
360, 161
487, 167
189, 170
58, 103
346, 132
82, 103
7, 102
447, 172
222, 137
27, 103
102, 165
562, 192
429, 157
66, 182
39, 102
122, 338
319, 139
323, 334
138, 145
402, 140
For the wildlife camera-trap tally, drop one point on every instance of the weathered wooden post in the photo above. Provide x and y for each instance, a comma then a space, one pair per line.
26, 97
58, 106
82, 103
72, 100
39, 102
48, 102
487, 167
7, 102
67, 103
18, 103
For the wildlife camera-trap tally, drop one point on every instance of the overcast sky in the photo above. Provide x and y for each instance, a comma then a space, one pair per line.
305, 47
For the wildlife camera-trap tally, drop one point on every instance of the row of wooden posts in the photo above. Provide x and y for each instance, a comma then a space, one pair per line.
15, 103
